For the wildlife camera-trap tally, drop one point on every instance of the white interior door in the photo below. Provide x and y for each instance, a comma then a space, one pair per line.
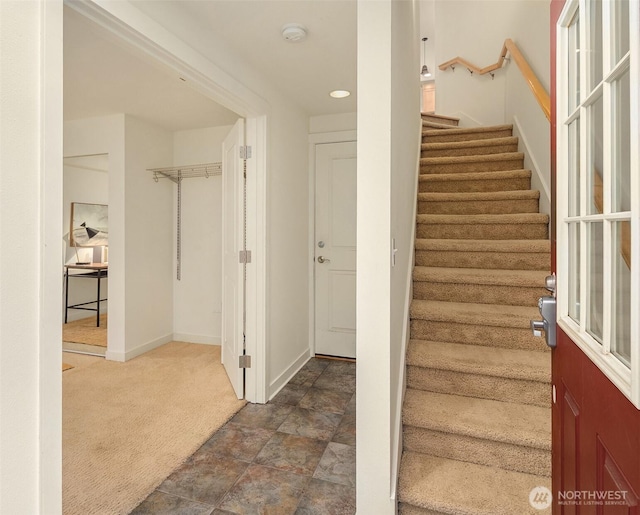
335, 249
232, 244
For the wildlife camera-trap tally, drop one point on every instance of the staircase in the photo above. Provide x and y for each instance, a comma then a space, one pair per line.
476, 414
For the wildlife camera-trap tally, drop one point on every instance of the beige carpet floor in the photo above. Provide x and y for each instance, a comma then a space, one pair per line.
66, 366
127, 426
85, 331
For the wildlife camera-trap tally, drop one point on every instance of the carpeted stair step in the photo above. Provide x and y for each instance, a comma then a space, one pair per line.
487, 432
466, 164
492, 286
527, 226
501, 254
470, 148
473, 203
508, 375
476, 421
508, 180
475, 324
429, 486
467, 134
441, 119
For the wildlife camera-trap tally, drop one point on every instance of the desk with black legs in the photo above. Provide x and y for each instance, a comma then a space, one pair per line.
96, 271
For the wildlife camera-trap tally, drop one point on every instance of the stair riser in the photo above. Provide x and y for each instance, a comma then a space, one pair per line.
440, 120
483, 452
492, 260
533, 393
504, 337
484, 231
409, 509
478, 166
478, 293
478, 207
443, 137
469, 151
431, 126
436, 186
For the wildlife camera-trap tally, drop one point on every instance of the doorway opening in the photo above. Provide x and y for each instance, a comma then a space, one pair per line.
193, 311
85, 260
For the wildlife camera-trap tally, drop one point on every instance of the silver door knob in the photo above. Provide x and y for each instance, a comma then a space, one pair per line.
323, 260
547, 307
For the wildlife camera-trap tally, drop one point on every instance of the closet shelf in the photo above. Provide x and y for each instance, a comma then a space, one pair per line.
176, 173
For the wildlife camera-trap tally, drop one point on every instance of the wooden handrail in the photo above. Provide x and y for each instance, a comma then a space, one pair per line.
625, 227
510, 47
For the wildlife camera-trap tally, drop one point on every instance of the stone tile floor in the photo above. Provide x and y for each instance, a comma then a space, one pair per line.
295, 454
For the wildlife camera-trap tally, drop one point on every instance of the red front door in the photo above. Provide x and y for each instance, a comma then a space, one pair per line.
596, 427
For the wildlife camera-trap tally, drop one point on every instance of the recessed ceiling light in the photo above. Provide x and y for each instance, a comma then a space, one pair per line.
340, 93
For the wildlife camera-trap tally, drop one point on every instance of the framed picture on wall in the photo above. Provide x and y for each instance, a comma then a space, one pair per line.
89, 225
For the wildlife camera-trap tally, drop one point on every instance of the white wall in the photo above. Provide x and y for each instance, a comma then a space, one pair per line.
333, 123
197, 297
478, 36
140, 228
373, 312
85, 180
521, 108
480, 100
30, 251
428, 30
148, 245
287, 246
388, 143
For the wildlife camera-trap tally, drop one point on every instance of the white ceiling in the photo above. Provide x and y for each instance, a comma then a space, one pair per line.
102, 76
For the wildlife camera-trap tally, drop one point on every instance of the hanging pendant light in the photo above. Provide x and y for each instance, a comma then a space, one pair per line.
425, 73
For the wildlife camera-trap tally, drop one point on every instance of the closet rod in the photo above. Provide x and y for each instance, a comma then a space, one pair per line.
176, 173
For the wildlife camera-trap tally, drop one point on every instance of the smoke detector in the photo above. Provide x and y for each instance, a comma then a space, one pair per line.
293, 32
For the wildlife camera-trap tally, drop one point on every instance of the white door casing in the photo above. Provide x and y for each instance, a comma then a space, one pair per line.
335, 249
232, 244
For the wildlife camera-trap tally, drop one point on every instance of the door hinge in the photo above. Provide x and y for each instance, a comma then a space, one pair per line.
244, 256
245, 152
244, 361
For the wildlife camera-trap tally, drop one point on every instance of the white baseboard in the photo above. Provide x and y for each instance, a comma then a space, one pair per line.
197, 338
146, 347
277, 384
538, 181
